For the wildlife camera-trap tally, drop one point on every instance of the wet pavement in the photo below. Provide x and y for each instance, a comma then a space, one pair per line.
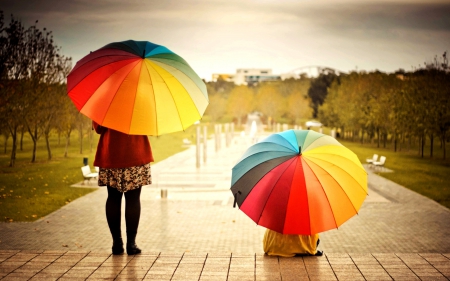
195, 233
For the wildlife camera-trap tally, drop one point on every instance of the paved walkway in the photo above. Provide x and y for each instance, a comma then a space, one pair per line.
195, 232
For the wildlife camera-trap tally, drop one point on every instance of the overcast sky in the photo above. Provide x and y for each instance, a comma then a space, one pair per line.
219, 36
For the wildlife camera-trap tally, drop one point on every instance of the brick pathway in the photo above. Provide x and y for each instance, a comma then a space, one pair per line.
195, 233
79, 265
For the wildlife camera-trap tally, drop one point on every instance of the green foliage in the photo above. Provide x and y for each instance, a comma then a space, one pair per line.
240, 103
29, 191
270, 102
428, 177
318, 89
385, 107
31, 76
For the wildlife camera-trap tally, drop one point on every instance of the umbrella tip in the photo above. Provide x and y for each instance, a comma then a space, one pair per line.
299, 149
143, 54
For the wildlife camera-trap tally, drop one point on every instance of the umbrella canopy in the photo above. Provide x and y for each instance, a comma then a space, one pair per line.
299, 182
138, 88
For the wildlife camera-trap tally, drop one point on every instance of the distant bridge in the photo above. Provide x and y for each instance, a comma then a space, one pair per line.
310, 71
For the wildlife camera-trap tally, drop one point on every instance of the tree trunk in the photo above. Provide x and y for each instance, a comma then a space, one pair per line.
431, 145
22, 132
443, 146
47, 142
66, 150
422, 146
395, 142
81, 138
13, 132
34, 138
378, 138
91, 140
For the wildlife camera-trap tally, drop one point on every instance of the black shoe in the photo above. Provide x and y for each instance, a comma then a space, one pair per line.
117, 248
319, 254
132, 249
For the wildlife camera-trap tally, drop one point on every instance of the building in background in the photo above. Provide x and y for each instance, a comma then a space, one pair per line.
248, 76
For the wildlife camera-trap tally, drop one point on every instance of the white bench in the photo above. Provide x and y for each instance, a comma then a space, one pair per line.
380, 163
373, 159
87, 174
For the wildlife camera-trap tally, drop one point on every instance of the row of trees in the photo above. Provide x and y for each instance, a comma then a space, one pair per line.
376, 106
400, 107
284, 101
33, 96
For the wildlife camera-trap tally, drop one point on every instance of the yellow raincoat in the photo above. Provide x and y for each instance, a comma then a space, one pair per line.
277, 244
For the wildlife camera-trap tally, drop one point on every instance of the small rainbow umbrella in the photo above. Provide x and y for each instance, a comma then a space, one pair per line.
138, 88
299, 182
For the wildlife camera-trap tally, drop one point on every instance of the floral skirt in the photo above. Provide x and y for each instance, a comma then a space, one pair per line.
125, 179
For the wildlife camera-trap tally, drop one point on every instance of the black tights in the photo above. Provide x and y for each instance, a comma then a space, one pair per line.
132, 211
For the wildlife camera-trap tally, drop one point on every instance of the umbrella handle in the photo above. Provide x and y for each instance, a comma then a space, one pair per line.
235, 198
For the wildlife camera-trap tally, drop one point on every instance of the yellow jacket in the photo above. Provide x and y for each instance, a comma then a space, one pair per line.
277, 244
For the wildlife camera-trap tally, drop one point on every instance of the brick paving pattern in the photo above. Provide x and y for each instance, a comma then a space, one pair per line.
195, 234
79, 265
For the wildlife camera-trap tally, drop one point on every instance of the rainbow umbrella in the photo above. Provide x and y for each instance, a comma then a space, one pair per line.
299, 182
138, 88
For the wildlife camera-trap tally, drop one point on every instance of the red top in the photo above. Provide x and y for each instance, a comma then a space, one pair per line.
119, 150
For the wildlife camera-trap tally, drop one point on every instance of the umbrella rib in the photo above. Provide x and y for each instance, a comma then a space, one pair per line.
356, 211
265, 203
324, 192
101, 57
263, 152
311, 156
131, 69
134, 101
190, 97
164, 81
154, 98
180, 70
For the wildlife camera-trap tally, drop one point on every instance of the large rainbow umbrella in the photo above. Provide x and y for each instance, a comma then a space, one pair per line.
138, 88
299, 182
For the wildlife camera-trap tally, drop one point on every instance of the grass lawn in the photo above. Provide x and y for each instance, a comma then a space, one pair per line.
29, 191
427, 176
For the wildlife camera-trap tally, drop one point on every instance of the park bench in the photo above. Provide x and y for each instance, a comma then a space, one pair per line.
87, 173
380, 163
373, 159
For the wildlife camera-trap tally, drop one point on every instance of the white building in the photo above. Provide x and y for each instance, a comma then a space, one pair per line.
249, 76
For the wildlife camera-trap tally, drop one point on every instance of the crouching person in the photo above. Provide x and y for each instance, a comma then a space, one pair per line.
284, 245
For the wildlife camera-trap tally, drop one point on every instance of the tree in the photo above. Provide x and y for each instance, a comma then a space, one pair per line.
217, 107
319, 89
31, 68
240, 103
13, 68
270, 102
298, 106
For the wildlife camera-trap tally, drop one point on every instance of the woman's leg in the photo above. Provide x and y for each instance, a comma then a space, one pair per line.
113, 216
132, 216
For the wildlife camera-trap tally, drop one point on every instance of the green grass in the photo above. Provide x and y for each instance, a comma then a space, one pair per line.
427, 176
29, 191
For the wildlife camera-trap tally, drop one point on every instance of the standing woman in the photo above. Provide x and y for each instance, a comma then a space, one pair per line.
124, 162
